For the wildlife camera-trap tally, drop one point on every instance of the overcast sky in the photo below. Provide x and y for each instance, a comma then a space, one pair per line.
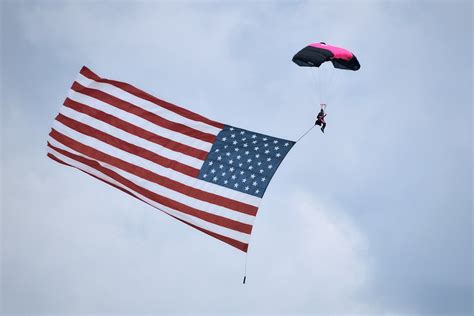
374, 217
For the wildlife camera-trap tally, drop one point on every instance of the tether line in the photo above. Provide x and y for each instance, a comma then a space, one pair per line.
305, 133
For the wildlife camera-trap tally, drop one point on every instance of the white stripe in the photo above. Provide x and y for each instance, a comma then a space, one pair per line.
174, 195
130, 138
139, 121
242, 237
153, 167
147, 105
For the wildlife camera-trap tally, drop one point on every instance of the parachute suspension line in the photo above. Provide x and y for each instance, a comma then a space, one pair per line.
321, 75
319, 86
331, 85
305, 133
318, 96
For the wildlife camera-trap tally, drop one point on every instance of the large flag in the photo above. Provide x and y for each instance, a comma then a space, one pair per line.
209, 175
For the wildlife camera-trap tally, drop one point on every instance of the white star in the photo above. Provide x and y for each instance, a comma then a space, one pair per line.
254, 183
249, 160
263, 179
224, 139
254, 142
223, 174
210, 163
226, 146
250, 167
215, 179
219, 158
236, 185
242, 133
221, 166
241, 172
227, 153
233, 177
287, 144
238, 156
233, 135
270, 167
256, 148
276, 148
257, 191
265, 145
275, 141
236, 148
225, 181
231, 169
252, 176
205, 175
278, 154
268, 159
261, 170
213, 171
257, 155
264, 139
245, 145
231, 129
259, 163
244, 180
234, 142
267, 151
231, 161
247, 188
217, 150
243, 139
240, 164
254, 136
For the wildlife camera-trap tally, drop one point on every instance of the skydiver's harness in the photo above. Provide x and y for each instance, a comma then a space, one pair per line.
320, 118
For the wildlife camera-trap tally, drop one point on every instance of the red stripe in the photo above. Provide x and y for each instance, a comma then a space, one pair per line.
138, 111
235, 243
180, 207
153, 177
89, 74
142, 94
50, 155
126, 146
136, 130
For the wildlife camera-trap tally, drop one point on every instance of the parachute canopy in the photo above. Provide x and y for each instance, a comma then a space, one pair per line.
315, 54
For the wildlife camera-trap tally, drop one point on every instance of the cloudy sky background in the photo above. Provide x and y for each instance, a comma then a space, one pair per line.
374, 217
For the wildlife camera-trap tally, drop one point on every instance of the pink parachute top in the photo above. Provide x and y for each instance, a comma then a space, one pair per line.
339, 53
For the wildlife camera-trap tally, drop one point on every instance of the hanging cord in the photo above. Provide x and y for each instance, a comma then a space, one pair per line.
245, 270
305, 133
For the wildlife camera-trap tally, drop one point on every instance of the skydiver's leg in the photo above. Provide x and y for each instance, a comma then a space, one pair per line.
323, 127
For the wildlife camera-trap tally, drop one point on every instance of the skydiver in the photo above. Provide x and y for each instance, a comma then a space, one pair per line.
320, 118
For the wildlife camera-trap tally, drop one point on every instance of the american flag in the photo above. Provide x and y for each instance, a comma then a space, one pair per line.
209, 175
